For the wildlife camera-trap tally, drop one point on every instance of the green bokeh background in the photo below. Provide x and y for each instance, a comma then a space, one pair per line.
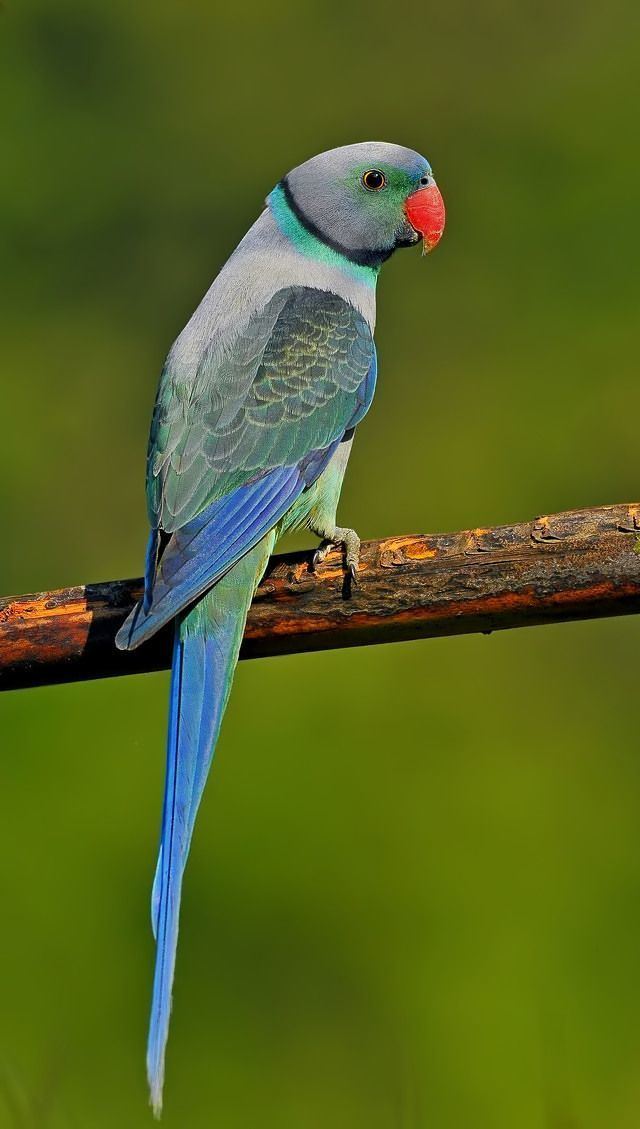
414, 894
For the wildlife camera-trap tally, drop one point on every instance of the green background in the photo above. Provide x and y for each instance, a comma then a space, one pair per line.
421, 909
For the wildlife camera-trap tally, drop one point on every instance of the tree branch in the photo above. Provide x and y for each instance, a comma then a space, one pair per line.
577, 565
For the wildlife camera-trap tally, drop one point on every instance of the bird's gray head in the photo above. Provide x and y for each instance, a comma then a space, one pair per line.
364, 200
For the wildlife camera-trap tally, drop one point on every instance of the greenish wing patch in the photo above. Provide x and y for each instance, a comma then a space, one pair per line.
290, 385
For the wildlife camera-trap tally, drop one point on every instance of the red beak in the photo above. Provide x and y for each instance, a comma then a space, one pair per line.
425, 211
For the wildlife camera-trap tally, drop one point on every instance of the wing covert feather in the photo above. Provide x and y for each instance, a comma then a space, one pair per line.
289, 385
232, 447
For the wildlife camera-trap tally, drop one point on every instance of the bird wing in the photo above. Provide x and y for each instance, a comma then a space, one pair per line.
232, 447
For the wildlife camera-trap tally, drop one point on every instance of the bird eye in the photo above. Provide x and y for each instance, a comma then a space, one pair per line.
373, 180
425, 179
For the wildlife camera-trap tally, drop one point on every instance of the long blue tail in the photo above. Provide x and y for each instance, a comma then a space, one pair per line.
206, 646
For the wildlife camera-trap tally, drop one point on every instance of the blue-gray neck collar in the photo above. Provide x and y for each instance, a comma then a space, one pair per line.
306, 238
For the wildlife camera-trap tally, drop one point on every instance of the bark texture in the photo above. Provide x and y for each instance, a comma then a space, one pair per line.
582, 564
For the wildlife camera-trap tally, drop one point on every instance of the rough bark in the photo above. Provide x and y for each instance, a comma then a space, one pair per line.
582, 564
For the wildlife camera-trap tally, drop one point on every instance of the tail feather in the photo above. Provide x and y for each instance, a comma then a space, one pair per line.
206, 646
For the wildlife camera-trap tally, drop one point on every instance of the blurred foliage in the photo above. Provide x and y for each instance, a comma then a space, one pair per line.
422, 907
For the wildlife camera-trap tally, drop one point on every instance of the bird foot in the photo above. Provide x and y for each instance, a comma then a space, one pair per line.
348, 538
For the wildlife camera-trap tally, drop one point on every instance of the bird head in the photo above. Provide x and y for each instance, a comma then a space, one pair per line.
366, 200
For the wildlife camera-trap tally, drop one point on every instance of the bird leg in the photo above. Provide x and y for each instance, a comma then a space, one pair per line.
331, 540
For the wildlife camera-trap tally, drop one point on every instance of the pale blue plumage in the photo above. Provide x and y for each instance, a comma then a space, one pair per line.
318, 369
250, 435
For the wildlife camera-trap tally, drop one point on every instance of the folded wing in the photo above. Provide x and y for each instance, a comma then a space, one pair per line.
237, 439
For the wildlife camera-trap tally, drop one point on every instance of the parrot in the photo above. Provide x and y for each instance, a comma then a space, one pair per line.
257, 405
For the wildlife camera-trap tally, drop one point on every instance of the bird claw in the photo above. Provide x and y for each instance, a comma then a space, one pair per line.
320, 554
349, 540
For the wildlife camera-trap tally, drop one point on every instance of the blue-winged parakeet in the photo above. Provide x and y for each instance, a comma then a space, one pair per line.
253, 423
